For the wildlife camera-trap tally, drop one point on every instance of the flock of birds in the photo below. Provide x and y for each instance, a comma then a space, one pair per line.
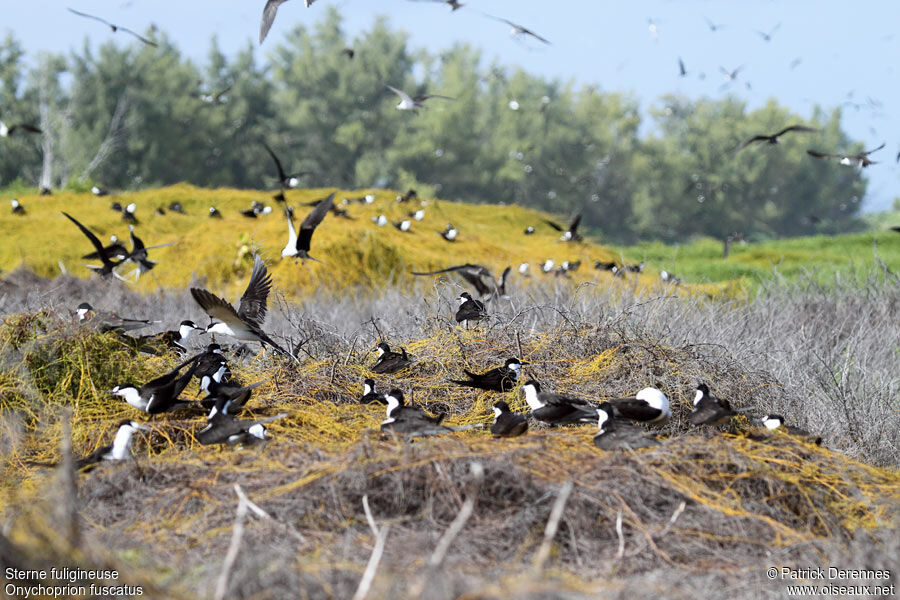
619, 420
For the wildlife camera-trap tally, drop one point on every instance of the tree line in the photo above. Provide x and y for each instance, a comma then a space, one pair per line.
138, 116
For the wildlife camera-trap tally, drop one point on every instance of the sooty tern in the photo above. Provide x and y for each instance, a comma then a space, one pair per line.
477, 275
17, 208
414, 103
159, 395
114, 28
518, 30
410, 420
709, 410
568, 235
298, 246
169, 340
108, 267
115, 250
228, 398
370, 394
246, 322
773, 138
224, 429
860, 159
104, 321
616, 435
774, 422
501, 379
6, 131
120, 449
285, 180
469, 309
649, 405
556, 409
268, 16
389, 361
449, 233
507, 423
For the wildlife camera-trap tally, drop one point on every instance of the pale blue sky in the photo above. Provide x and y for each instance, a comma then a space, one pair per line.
846, 50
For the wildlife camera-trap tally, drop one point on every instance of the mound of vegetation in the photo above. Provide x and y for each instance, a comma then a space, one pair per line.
354, 251
545, 515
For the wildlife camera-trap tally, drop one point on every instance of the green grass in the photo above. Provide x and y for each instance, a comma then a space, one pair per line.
851, 255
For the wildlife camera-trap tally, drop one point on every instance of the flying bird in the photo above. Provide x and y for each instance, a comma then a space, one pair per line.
268, 16
860, 159
768, 36
298, 246
414, 103
453, 4
114, 28
518, 30
8, 131
712, 26
212, 98
502, 379
682, 72
245, 323
108, 266
773, 138
478, 276
571, 234
285, 180
731, 75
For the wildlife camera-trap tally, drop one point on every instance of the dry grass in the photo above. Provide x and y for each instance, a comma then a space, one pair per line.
167, 517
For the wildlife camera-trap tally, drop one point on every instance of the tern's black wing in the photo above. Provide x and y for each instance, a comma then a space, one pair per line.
755, 138
866, 152
138, 36
632, 408
268, 18
475, 280
794, 128
476, 269
502, 285
281, 176
312, 221
96, 242
81, 14
253, 303
816, 154
575, 222
555, 226
26, 126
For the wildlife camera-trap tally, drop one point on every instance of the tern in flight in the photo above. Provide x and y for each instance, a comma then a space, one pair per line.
416, 102
298, 246
114, 28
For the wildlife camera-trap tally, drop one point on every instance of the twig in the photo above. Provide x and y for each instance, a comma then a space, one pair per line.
234, 546
372, 566
672, 520
369, 517
621, 552
543, 552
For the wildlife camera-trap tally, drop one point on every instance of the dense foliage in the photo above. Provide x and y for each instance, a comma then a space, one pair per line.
134, 116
